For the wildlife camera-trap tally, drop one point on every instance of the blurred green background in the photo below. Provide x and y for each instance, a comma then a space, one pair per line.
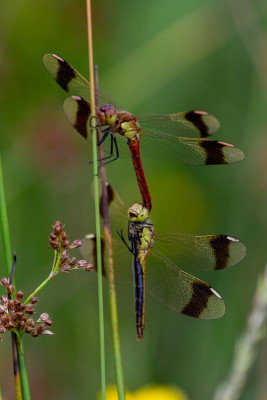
155, 57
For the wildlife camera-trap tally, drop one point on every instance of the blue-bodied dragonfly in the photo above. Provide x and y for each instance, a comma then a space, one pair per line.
153, 262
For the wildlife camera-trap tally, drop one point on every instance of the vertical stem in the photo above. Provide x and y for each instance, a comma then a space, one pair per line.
111, 283
5, 227
96, 191
6, 243
16, 372
26, 395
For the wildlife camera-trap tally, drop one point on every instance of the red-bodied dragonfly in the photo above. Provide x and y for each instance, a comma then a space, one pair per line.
161, 135
154, 259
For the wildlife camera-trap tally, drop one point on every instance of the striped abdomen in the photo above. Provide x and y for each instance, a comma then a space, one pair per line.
135, 153
139, 282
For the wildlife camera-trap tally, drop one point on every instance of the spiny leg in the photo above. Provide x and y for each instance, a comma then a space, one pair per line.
116, 155
120, 233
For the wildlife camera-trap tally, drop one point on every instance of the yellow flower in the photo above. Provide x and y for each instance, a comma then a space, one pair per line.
148, 393
159, 393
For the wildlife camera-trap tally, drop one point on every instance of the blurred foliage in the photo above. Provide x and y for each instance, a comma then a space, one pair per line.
153, 57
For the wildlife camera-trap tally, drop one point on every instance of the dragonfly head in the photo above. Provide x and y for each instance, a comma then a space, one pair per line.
138, 213
107, 115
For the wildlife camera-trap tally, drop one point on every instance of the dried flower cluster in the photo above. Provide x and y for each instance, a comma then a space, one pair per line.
59, 241
15, 315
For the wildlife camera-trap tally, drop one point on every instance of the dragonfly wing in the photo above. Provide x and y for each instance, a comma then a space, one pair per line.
190, 151
181, 292
209, 252
186, 123
78, 112
122, 258
70, 80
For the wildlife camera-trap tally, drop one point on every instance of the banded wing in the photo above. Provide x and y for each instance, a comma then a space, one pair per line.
187, 123
188, 151
210, 252
154, 144
179, 291
70, 80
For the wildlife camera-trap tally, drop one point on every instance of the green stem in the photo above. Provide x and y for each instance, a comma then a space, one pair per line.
111, 284
55, 267
23, 370
5, 227
99, 269
34, 293
96, 194
20, 379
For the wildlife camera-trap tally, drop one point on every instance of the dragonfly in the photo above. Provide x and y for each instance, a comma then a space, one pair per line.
178, 137
153, 260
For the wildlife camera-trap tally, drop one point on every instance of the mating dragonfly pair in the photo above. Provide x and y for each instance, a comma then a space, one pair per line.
158, 135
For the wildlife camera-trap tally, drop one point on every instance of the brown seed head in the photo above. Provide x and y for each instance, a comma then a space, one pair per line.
58, 227
10, 289
64, 236
4, 282
29, 309
73, 261
66, 268
54, 244
64, 256
65, 244
82, 264
89, 267
41, 328
19, 295
77, 243
33, 300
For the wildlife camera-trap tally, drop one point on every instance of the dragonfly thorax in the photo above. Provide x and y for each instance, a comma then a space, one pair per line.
107, 115
128, 126
142, 233
141, 229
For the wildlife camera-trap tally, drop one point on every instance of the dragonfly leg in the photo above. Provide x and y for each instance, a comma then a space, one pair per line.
116, 155
110, 153
120, 233
105, 135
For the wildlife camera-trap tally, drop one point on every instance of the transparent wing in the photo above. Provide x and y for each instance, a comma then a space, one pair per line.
179, 291
186, 123
210, 252
184, 150
70, 80
122, 258
122, 255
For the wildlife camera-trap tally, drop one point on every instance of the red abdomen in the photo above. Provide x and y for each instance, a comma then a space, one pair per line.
135, 153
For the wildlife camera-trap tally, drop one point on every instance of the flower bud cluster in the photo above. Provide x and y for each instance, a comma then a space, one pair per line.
15, 315
59, 241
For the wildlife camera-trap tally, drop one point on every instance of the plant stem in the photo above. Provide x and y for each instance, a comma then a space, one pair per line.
111, 282
96, 194
247, 346
20, 380
5, 227
56, 263
16, 372
23, 370
34, 293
